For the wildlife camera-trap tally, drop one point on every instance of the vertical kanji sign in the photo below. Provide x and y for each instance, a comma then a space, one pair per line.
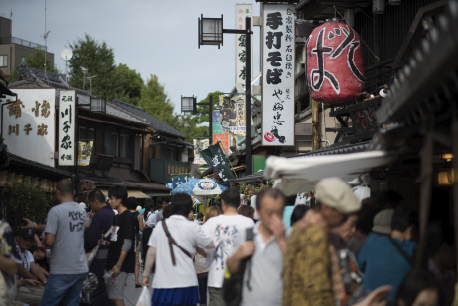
242, 11
66, 141
278, 53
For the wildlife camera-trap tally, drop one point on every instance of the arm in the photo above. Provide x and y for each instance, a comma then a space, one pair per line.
125, 248
49, 239
93, 233
24, 273
36, 270
141, 225
38, 255
30, 282
278, 229
7, 265
233, 263
30, 225
150, 258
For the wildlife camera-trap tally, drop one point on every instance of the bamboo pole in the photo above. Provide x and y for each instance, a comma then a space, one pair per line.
315, 125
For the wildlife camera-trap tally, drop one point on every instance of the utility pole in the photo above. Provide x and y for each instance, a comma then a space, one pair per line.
248, 161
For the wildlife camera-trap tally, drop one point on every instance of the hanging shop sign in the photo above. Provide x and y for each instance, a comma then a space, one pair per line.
215, 158
199, 145
223, 140
232, 114
67, 121
28, 125
335, 69
242, 11
278, 53
85, 152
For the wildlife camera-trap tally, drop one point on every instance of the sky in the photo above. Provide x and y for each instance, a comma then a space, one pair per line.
150, 36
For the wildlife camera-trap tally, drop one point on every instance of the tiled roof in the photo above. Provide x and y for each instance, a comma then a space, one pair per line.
154, 122
340, 148
116, 111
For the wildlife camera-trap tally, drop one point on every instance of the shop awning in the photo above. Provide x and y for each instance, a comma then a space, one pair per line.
130, 193
300, 174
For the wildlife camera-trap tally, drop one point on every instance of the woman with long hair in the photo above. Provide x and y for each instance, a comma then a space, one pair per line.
175, 281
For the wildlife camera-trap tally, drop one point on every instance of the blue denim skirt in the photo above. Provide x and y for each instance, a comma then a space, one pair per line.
188, 296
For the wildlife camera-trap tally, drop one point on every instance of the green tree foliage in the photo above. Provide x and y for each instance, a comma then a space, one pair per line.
129, 85
202, 110
189, 126
25, 200
155, 101
98, 58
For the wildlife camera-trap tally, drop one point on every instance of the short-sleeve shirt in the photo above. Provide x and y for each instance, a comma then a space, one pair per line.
186, 234
151, 220
26, 259
224, 231
123, 228
66, 221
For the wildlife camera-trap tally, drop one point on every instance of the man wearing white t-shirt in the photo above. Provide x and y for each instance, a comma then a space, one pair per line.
224, 230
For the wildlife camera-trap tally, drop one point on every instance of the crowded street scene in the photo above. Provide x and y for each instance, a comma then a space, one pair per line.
313, 166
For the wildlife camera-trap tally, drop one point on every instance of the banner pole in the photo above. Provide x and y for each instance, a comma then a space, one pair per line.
219, 141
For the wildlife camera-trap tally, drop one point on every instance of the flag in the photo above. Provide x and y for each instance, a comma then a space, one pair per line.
216, 159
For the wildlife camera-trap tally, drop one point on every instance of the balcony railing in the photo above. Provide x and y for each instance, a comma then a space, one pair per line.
161, 170
22, 42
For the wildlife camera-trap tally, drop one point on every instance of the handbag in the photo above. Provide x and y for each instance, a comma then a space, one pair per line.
91, 255
233, 284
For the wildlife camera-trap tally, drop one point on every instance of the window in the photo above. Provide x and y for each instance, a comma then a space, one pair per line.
83, 133
114, 144
168, 153
23, 59
3, 60
125, 146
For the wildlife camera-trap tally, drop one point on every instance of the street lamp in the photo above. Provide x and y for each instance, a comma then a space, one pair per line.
188, 105
90, 82
98, 105
211, 33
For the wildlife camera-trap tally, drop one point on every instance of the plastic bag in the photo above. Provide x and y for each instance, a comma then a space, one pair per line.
145, 298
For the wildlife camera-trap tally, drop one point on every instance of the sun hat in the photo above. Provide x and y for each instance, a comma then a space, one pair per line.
336, 193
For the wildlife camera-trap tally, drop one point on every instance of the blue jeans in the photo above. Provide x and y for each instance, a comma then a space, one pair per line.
63, 287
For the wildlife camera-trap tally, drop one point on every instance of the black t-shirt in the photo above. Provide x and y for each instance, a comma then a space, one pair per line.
123, 228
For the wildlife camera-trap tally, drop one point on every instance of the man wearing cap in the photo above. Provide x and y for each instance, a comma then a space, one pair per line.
28, 269
385, 259
312, 275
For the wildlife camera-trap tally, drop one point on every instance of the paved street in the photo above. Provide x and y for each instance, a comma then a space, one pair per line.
131, 293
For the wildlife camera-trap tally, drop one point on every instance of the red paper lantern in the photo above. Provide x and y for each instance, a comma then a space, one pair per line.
335, 69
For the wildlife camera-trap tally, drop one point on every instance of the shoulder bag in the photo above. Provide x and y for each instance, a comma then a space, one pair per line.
91, 255
233, 284
172, 242
403, 253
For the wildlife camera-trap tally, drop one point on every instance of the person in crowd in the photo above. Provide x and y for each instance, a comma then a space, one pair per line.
201, 269
364, 225
29, 294
100, 225
149, 222
441, 253
246, 211
37, 250
351, 275
385, 260
175, 281
224, 230
382, 222
419, 288
312, 275
200, 218
132, 204
167, 211
288, 211
298, 213
121, 251
64, 235
163, 202
263, 284
191, 215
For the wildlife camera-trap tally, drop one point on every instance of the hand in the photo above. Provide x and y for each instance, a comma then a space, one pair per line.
116, 270
29, 224
277, 227
91, 214
33, 283
246, 250
375, 297
145, 282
